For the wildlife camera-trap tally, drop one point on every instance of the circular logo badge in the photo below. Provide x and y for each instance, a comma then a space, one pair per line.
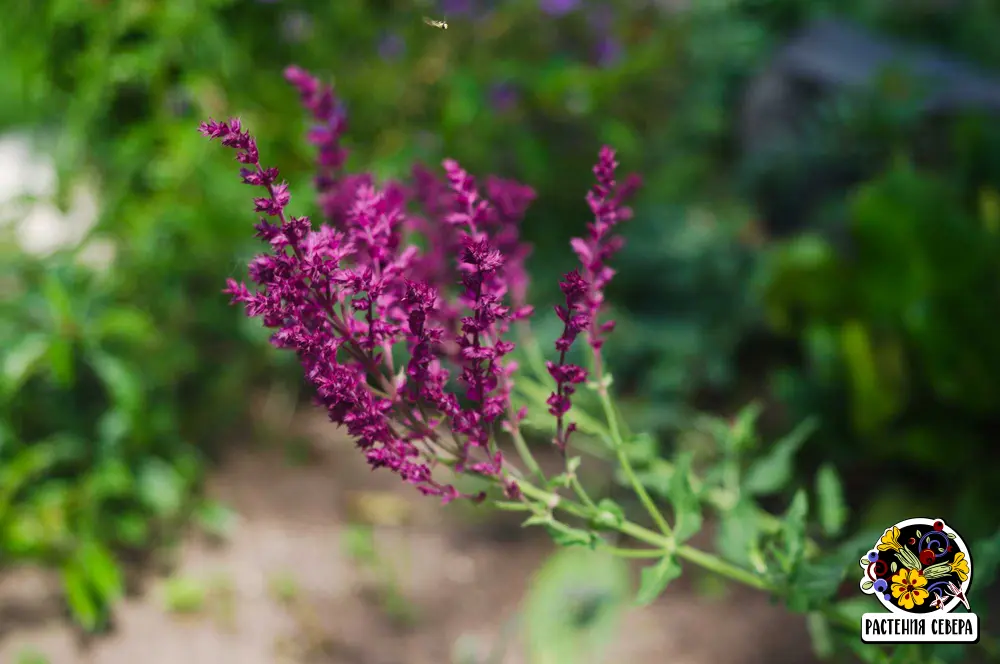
918, 566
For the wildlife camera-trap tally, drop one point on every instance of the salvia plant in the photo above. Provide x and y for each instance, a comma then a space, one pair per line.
405, 308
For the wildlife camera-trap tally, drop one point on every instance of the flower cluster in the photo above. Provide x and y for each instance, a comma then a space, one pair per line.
584, 290
354, 295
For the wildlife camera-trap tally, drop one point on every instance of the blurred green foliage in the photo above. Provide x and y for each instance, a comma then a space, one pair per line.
900, 358
890, 288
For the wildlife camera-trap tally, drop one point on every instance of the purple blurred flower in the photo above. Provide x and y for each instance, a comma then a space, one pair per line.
391, 46
457, 7
558, 7
608, 51
504, 97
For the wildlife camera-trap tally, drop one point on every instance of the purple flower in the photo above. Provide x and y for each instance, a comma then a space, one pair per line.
391, 46
457, 7
558, 7
575, 318
348, 296
584, 291
605, 201
504, 97
607, 51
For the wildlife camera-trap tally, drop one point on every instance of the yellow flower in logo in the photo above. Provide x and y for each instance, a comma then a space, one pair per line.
960, 566
890, 540
908, 588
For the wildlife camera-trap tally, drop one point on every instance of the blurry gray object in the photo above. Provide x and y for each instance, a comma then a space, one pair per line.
822, 63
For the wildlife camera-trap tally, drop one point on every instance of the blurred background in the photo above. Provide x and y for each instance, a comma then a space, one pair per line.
819, 232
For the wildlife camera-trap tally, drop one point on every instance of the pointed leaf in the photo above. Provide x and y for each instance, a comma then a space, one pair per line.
739, 534
687, 508
20, 360
564, 535
821, 635
831, 507
81, 602
794, 528
654, 579
102, 570
772, 472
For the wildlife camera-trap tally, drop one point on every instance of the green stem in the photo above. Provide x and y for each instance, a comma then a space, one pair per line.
574, 482
536, 359
718, 498
664, 545
524, 452
626, 466
660, 542
634, 553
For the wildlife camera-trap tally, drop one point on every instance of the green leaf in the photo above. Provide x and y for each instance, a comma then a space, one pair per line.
31, 656
557, 482
184, 595
772, 472
125, 324
27, 465
743, 434
794, 529
110, 479
537, 520
609, 516
687, 508
831, 506
215, 519
738, 538
20, 360
359, 542
58, 297
574, 605
132, 529
866, 652
102, 571
851, 610
867, 585
987, 551
122, 382
60, 358
564, 535
815, 583
653, 580
81, 601
821, 635
161, 488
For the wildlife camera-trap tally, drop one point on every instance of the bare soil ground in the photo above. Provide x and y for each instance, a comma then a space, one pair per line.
284, 590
